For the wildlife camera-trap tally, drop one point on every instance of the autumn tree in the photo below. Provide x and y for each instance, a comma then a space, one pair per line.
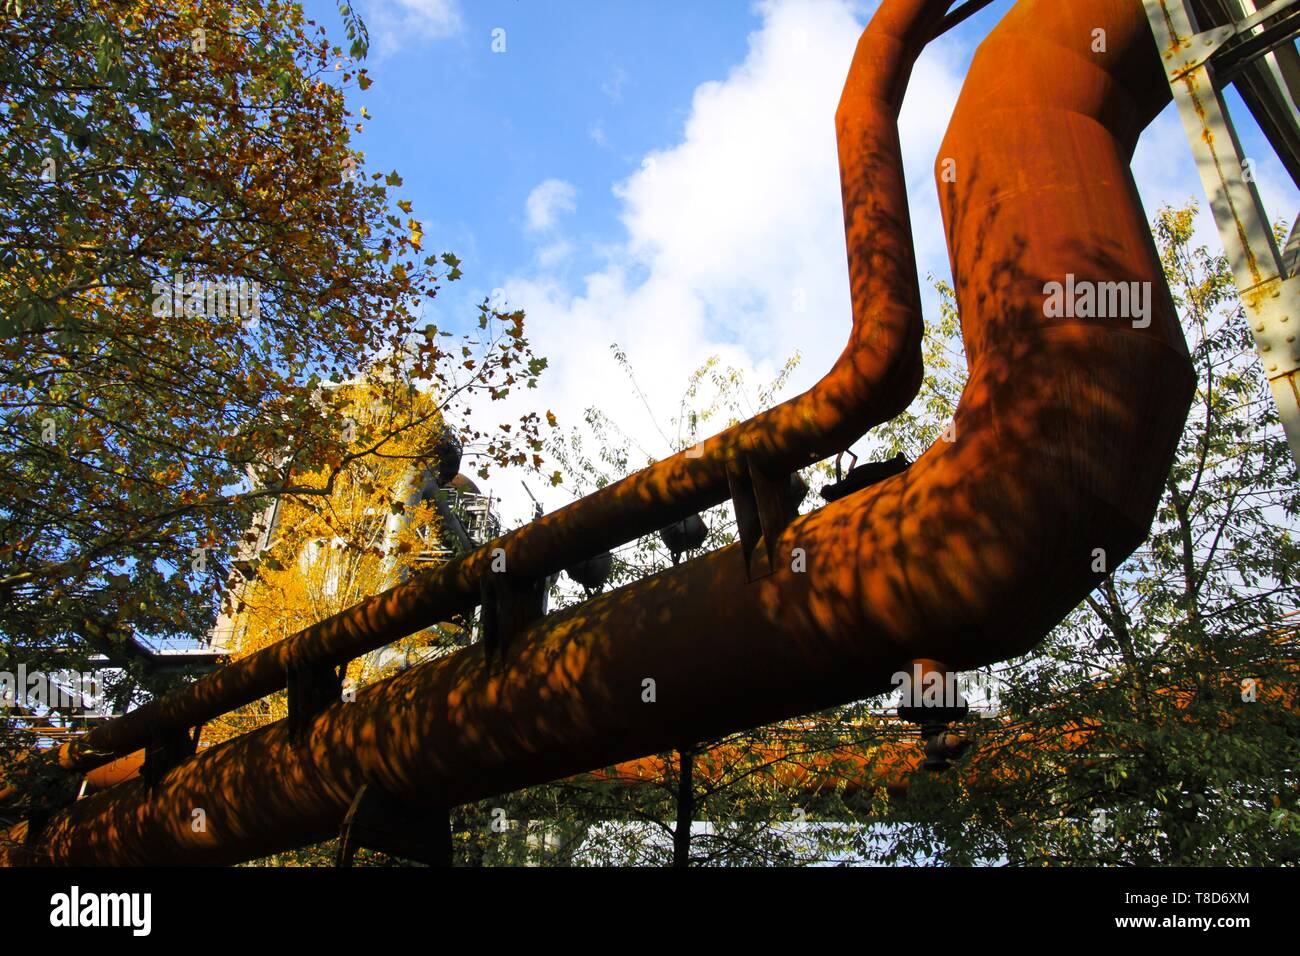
324, 554
190, 248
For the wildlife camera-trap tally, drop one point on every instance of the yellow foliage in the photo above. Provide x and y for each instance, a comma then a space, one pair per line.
330, 551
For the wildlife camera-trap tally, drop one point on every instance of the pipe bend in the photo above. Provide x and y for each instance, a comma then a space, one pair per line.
1064, 436
874, 378
1068, 423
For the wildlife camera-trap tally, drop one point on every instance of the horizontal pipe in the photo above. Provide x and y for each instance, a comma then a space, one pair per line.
1059, 449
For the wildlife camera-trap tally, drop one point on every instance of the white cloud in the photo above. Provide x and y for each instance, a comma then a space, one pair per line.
729, 231
395, 23
554, 253
734, 240
547, 201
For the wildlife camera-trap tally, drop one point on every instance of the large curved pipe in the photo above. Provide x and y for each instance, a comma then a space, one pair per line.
874, 379
1063, 438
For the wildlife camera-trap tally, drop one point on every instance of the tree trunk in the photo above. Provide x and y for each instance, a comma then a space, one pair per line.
685, 807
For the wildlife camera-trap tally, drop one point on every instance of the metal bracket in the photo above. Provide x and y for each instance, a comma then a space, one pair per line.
166, 751
311, 688
378, 821
1200, 49
1275, 319
933, 720
510, 606
763, 511
1203, 46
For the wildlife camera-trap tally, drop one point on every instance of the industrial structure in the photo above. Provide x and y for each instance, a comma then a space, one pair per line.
966, 557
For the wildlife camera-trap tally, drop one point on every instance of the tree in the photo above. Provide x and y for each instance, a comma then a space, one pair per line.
326, 554
189, 249
1158, 723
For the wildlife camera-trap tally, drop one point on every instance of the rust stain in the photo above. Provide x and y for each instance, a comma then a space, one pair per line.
1252, 264
970, 556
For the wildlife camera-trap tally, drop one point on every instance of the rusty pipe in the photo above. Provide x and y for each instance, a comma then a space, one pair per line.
1062, 440
874, 378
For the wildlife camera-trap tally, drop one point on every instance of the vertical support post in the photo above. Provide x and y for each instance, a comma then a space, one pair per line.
310, 690
378, 821
764, 508
1269, 294
167, 750
510, 606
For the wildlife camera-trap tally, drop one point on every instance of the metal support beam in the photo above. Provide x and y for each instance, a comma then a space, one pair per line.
311, 690
1269, 294
166, 751
1270, 90
510, 606
379, 821
1237, 57
764, 507
960, 15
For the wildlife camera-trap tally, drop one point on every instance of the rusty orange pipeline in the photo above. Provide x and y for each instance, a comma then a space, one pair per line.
874, 379
1062, 440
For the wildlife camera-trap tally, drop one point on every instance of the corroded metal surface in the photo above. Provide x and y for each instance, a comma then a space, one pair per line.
1270, 292
1061, 443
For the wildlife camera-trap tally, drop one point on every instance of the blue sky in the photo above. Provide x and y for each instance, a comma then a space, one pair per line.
583, 91
662, 174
